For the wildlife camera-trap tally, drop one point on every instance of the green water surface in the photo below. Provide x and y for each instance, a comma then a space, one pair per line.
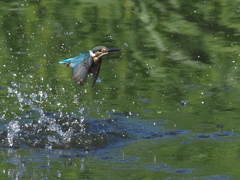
178, 69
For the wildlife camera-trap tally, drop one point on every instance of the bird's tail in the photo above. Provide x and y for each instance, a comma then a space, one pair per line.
65, 61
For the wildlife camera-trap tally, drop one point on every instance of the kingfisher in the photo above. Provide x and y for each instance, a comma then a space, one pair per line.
87, 63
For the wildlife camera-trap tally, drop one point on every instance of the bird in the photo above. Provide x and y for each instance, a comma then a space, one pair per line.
87, 63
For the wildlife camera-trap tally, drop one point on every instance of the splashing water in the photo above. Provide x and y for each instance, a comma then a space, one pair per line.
28, 100
48, 133
51, 130
13, 129
62, 130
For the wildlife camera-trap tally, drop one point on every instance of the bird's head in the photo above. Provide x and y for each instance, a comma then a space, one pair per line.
100, 51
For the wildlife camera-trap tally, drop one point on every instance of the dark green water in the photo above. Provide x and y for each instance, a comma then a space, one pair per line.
172, 91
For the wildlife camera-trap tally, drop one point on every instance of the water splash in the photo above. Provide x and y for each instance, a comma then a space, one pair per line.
60, 130
34, 100
48, 132
71, 132
13, 129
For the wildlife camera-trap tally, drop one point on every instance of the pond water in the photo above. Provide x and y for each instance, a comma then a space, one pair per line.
165, 107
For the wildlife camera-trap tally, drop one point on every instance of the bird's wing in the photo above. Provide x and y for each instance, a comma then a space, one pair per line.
94, 70
81, 69
79, 59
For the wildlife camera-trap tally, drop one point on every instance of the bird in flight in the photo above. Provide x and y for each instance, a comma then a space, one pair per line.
87, 63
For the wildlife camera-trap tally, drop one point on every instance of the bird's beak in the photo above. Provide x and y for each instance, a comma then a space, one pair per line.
112, 49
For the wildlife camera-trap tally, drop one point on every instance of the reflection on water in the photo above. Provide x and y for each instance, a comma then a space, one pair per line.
167, 103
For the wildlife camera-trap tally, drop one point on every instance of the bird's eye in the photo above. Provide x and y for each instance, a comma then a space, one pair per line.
99, 50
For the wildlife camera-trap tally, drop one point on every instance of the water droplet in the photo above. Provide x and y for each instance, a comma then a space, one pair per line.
48, 146
57, 103
15, 84
58, 174
81, 110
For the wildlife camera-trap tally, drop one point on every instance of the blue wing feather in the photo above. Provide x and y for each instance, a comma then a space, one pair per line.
81, 67
66, 61
76, 60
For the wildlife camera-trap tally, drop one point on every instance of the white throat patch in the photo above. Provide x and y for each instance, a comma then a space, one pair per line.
92, 54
